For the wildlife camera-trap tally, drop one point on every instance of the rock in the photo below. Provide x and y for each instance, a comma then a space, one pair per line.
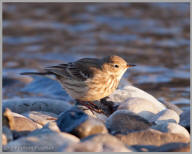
151, 137
140, 106
8, 119
121, 95
93, 114
22, 123
171, 128
52, 126
8, 81
108, 106
89, 127
21, 105
19, 124
144, 148
47, 87
80, 124
171, 106
99, 143
42, 140
123, 121
185, 119
7, 135
169, 147
49, 127
166, 115
173, 147
83, 147
4, 139
40, 117
70, 119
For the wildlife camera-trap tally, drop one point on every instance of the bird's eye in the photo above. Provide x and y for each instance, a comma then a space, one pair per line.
116, 65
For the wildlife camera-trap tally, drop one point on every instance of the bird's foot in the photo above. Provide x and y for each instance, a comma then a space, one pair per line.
109, 105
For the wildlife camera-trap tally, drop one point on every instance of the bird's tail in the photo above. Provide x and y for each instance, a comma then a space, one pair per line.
36, 73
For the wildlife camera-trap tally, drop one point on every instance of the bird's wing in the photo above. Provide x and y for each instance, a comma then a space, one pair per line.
71, 70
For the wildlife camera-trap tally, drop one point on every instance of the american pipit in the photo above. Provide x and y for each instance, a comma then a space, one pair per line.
88, 79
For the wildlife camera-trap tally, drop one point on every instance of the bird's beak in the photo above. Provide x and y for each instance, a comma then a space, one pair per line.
130, 65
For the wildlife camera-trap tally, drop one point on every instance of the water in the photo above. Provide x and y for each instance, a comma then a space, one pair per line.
154, 36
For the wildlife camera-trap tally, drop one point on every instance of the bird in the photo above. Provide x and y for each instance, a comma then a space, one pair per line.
88, 79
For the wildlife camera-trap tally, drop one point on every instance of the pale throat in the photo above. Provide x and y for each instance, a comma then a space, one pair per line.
121, 74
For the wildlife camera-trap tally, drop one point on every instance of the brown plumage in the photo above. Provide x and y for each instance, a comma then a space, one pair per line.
89, 79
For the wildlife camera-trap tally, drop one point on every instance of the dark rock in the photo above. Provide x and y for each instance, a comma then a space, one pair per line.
21, 105
7, 81
185, 119
108, 106
70, 119
123, 121
80, 124
151, 137
99, 143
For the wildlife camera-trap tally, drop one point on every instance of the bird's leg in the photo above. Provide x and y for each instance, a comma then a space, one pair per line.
91, 106
95, 107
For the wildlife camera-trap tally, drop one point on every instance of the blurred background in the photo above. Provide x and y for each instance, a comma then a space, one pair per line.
154, 36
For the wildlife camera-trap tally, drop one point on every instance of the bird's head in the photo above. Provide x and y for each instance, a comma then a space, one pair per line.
115, 65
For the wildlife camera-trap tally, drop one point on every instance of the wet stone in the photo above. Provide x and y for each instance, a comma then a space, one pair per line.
166, 115
99, 143
151, 137
123, 121
141, 107
171, 128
